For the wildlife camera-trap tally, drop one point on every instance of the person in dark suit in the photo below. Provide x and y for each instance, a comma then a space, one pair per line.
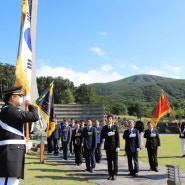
152, 144
98, 150
77, 143
82, 126
66, 138
132, 147
110, 134
90, 143
72, 125
56, 137
182, 136
12, 139
140, 126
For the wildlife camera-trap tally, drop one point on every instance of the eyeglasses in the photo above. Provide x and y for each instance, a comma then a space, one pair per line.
20, 95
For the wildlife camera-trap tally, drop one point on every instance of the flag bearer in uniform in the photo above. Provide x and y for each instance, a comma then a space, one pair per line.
12, 140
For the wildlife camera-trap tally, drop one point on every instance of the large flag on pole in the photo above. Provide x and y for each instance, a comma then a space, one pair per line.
161, 109
24, 59
45, 104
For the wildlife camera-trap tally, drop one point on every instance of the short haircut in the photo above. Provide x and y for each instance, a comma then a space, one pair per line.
110, 116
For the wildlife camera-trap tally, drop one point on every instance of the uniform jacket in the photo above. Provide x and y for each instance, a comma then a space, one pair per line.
90, 141
99, 129
131, 140
56, 133
66, 133
111, 142
152, 139
12, 156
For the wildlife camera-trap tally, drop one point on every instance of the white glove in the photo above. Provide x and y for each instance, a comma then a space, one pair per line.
111, 133
158, 147
138, 149
27, 98
152, 135
117, 149
132, 135
28, 145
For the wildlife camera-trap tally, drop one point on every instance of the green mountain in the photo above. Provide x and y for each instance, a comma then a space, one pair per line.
142, 88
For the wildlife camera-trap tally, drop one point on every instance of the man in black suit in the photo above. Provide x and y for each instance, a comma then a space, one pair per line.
90, 143
152, 144
132, 146
110, 134
12, 140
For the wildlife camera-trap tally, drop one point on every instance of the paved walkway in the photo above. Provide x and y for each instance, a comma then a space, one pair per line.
100, 174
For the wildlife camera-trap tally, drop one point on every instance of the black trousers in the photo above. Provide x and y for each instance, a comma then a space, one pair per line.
50, 143
132, 157
89, 158
65, 148
78, 154
152, 157
56, 145
112, 162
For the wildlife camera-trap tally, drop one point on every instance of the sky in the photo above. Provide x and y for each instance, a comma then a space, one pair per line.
98, 41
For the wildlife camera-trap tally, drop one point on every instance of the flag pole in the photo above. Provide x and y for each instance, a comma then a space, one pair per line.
176, 121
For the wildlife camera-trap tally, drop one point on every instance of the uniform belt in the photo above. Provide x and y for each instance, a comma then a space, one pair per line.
12, 141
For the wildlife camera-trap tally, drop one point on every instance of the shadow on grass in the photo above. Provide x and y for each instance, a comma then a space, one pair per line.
66, 177
169, 157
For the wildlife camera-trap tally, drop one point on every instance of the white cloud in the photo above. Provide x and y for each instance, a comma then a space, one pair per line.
104, 74
98, 51
155, 72
173, 68
106, 68
103, 33
134, 67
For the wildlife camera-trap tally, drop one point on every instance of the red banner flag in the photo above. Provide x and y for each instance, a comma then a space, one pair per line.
161, 109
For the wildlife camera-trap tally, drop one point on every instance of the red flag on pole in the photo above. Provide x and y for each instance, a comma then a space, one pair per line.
161, 109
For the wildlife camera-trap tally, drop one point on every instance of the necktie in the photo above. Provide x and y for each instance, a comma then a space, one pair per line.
108, 127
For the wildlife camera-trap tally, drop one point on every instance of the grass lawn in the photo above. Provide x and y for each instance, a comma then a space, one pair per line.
169, 152
49, 173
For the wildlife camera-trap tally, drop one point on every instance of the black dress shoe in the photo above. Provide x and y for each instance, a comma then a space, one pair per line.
156, 170
114, 177
92, 170
130, 174
183, 155
109, 178
86, 170
135, 175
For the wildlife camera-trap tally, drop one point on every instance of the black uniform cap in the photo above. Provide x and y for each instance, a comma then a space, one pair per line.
13, 90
